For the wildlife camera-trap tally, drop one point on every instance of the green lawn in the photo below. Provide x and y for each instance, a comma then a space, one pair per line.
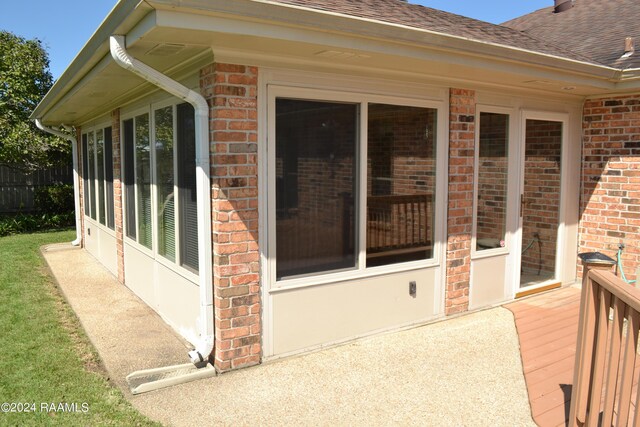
45, 358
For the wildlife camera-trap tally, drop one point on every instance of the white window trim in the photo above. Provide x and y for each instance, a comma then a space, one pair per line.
362, 98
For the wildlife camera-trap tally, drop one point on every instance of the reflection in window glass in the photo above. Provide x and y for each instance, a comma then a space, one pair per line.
188, 206
129, 149
316, 145
401, 183
92, 176
492, 181
108, 176
143, 179
164, 182
85, 174
100, 174
541, 201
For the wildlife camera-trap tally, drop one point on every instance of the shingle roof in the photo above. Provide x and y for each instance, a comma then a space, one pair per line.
417, 16
592, 28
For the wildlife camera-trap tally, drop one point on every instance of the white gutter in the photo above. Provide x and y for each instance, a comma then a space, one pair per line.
76, 183
203, 185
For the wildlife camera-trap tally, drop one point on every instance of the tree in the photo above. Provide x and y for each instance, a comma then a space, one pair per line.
24, 80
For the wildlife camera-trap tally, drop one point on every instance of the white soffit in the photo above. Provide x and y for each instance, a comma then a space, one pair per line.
256, 41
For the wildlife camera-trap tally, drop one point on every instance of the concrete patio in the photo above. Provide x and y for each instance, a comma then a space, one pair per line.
464, 371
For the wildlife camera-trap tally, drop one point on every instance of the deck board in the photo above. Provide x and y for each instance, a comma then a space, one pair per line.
547, 327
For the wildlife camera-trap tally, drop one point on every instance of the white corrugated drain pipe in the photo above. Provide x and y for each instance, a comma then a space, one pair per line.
203, 185
76, 183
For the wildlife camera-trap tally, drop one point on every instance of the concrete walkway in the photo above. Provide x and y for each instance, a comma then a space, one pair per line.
465, 371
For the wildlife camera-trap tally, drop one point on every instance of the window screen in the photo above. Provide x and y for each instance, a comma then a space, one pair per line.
128, 149
108, 176
187, 186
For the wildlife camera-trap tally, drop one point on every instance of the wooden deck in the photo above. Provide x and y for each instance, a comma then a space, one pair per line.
547, 327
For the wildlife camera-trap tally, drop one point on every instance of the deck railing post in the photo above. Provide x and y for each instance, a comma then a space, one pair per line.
584, 345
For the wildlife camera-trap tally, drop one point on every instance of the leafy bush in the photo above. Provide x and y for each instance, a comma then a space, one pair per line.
54, 199
28, 223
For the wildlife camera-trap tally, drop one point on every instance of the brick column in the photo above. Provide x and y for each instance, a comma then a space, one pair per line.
80, 180
231, 91
462, 110
117, 191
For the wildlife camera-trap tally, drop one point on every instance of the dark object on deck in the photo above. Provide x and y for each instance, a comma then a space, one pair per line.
596, 258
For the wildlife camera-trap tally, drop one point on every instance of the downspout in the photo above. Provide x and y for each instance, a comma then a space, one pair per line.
76, 182
203, 185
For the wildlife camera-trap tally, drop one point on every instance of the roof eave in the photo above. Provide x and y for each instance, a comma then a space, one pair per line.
127, 13
332, 21
124, 15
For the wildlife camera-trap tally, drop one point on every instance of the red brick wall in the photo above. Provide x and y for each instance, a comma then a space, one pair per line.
231, 91
462, 109
117, 191
610, 198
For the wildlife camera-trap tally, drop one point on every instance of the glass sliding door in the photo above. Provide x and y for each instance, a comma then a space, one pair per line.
316, 178
540, 201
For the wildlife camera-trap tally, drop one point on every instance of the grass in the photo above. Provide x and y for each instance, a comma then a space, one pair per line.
45, 357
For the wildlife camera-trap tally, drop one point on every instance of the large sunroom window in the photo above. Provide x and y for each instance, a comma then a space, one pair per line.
316, 174
160, 183
164, 183
401, 183
354, 185
97, 166
143, 179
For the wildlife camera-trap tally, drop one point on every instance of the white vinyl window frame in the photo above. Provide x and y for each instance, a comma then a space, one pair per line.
153, 253
512, 181
93, 129
363, 99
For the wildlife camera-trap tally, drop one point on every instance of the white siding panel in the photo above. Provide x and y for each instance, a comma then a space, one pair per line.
307, 317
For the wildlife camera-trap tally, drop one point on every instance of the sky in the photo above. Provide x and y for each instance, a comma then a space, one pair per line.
64, 26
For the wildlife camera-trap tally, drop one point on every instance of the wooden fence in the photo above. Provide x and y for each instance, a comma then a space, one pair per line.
17, 188
605, 386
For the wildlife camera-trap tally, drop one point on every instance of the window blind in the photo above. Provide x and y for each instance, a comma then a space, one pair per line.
100, 175
143, 179
163, 127
85, 174
92, 176
129, 178
187, 186
108, 176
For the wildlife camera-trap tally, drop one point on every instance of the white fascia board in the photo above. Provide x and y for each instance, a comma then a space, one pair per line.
124, 15
291, 16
